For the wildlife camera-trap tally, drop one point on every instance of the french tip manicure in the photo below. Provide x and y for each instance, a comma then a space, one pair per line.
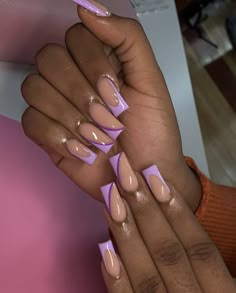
81, 152
152, 169
111, 96
94, 7
157, 184
124, 172
110, 258
106, 192
108, 245
114, 134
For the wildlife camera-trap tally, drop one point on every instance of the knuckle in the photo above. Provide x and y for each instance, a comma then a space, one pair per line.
73, 32
202, 252
46, 52
134, 25
149, 285
29, 83
25, 120
168, 253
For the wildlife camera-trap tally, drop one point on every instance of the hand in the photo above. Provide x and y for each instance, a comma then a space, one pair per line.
161, 245
60, 94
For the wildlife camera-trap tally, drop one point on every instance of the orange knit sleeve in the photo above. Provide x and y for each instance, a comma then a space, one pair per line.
217, 214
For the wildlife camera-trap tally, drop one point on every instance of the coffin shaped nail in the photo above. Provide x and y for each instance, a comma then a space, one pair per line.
80, 151
157, 184
96, 137
105, 120
114, 202
111, 96
110, 259
124, 172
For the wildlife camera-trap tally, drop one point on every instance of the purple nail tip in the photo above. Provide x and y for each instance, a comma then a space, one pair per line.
153, 170
106, 192
91, 159
149, 171
91, 7
104, 148
114, 133
106, 246
115, 163
122, 107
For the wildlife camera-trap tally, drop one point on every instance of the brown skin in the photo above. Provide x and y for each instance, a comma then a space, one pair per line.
59, 95
163, 248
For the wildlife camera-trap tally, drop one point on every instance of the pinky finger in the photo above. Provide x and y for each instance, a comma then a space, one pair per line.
114, 274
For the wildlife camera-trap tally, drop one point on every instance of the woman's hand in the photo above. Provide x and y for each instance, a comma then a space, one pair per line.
161, 245
69, 79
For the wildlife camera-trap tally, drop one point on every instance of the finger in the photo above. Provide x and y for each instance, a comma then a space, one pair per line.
57, 67
39, 94
50, 134
134, 254
127, 38
165, 248
205, 259
90, 55
121, 284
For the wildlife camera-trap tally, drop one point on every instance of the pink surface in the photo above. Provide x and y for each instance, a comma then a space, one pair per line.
49, 228
27, 25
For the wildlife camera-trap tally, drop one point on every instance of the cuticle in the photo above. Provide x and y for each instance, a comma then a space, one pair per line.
111, 79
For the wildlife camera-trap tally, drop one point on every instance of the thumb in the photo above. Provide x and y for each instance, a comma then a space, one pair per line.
131, 46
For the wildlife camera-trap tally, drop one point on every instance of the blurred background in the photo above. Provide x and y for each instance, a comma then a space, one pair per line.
209, 35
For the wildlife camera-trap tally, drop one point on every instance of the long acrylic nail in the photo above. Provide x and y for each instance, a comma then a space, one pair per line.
110, 259
124, 172
111, 96
157, 184
94, 6
81, 151
96, 137
105, 120
114, 202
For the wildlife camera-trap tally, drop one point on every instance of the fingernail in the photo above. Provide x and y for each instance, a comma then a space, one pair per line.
111, 96
124, 172
157, 184
105, 120
94, 7
81, 151
114, 202
110, 259
96, 137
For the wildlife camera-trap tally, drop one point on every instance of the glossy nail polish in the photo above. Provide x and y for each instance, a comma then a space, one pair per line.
94, 6
124, 172
111, 96
114, 202
110, 259
105, 120
80, 151
96, 137
157, 184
